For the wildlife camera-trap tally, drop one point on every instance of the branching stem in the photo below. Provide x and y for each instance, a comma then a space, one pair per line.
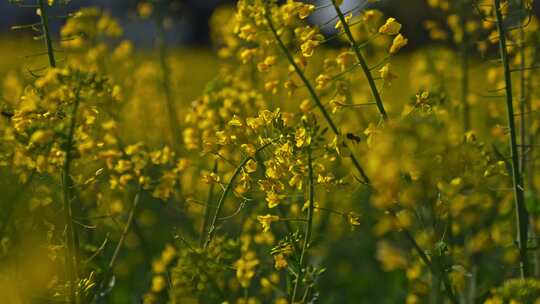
435, 268
362, 61
228, 188
522, 224
46, 32
120, 244
207, 208
309, 228
72, 261
314, 95
464, 57
166, 83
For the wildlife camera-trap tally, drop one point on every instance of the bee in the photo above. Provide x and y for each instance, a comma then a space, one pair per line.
355, 138
7, 114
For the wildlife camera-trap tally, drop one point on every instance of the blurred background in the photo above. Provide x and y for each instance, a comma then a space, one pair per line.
189, 18
194, 67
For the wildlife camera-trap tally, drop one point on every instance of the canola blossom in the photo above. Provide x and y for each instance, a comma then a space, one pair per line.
296, 165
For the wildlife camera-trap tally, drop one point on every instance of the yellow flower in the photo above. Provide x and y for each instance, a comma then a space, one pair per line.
40, 137
247, 32
371, 18
391, 27
254, 122
246, 55
347, 18
280, 261
210, 178
337, 103
123, 166
302, 138
235, 121
345, 60
158, 283
145, 10
296, 181
266, 220
273, 199
386, 74
390, 257
353, 219
249, 148
470, 136
305, 10
272, 86
322, 81
370, 132
399, 42
308, 47
267, 63
251, 166
245, 268
168, 254
422, 98
190, 138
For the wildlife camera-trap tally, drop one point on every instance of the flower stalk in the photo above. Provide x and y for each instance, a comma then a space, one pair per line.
309, 228
120, 244
361, 61
226, 191
46, 32
439, 274
464, 66
522, 224
314, 96
72, 260
207, 208
166, 82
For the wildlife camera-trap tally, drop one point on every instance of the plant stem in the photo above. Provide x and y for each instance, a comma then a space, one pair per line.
436, 270
228, 188
72, 261
120, 244
362, 61
521, 212
309, 228
207, 208
46, 33
464, 57
522, 97
166, 82
314, 96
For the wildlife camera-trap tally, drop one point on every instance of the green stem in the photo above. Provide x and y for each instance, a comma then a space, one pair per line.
522, 98
362, 61
120, 244
309, 228
464, 56
314, 95
521, 212
207, 208
72, 261
47, 34
436, 270
531, 164
166, 82
228, 188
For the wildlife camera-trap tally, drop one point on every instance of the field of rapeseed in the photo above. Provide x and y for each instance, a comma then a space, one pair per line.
292, 162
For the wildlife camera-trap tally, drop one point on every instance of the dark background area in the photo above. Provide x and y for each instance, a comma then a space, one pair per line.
190, 26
